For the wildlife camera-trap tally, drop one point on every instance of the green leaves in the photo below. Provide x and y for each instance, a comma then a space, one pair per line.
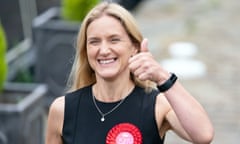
76, 10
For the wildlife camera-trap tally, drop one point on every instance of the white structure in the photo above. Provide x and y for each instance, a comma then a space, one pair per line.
182, 61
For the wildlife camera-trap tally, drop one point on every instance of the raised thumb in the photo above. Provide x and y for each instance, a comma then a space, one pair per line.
144, 45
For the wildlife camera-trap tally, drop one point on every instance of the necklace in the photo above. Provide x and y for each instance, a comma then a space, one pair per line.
110, 111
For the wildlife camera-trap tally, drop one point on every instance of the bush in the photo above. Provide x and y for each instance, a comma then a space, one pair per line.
75, 10
3, 63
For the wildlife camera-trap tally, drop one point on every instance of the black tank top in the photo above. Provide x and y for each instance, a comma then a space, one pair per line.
134, 119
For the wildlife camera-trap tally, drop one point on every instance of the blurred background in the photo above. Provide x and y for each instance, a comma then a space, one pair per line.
197, 39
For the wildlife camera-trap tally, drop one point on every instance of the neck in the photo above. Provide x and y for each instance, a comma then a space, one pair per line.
112, 91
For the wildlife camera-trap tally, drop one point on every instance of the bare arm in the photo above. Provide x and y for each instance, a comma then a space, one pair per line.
167, 119
55, 122
182, 112
184, 115
191, 115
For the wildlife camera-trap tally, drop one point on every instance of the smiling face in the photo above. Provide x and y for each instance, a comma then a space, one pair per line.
109, 48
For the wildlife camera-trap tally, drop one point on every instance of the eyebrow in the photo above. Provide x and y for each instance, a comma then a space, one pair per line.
115, 35
95, 37
92, 38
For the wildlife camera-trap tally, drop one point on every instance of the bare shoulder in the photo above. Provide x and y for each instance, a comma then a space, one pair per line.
55, 121
56, 114
58, 104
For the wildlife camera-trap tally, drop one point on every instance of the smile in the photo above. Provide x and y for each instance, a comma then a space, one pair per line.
107, 61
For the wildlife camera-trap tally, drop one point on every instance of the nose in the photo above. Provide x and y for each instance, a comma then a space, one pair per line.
104, 48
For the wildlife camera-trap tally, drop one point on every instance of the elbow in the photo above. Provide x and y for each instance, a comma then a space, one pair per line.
206, 137
209, 135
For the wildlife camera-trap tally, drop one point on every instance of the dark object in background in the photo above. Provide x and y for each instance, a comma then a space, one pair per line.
53, 40
22, 113
128, 4
11, 21
10, 16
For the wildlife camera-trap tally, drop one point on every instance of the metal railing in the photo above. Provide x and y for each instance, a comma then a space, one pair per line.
28, 10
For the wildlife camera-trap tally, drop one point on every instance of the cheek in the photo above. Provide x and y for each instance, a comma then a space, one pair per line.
91, 61
91, 52
90, 56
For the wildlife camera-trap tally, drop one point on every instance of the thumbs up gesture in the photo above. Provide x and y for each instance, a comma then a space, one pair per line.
145, 67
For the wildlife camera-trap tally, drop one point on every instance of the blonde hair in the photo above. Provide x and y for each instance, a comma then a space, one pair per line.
82, 74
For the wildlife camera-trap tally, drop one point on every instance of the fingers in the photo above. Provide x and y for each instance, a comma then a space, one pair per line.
135, 66
143, 72
140, 63
144, 66
143, 63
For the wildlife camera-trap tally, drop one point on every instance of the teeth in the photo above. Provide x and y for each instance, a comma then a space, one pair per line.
106, 61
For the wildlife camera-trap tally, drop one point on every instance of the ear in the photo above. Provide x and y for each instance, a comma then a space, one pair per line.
135, 49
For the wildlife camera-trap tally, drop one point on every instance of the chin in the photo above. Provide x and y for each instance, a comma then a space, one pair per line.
107, 75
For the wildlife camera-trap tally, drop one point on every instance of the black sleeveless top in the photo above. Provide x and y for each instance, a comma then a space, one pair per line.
134, 119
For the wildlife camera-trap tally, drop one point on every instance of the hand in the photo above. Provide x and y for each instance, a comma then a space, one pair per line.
145, 67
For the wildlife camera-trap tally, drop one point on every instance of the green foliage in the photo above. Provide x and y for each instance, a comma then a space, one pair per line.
75, 10
3, 63
24, 76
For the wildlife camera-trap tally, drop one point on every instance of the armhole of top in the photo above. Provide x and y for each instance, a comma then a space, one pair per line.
154, 95
72, 101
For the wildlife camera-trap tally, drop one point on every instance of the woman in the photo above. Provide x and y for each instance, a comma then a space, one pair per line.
114, 96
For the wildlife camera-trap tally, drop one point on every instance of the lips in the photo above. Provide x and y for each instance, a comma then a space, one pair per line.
107, 61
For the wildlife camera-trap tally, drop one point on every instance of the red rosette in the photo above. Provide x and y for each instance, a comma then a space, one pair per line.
124, 133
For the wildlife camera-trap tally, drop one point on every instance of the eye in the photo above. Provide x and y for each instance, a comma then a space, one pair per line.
93, 41
115, 40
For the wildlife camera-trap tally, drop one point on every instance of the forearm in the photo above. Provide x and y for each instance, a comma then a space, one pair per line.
190, 114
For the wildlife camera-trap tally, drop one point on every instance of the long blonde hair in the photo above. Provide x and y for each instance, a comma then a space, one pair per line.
82, 74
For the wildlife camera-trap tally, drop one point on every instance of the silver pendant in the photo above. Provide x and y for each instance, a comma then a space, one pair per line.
102, 119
